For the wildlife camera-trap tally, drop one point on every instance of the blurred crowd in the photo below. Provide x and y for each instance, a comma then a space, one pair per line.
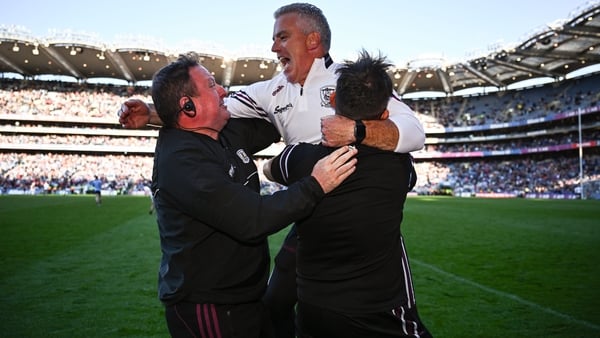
508, 106
539, 175
36, 172
127, 174
53, 173
54, 98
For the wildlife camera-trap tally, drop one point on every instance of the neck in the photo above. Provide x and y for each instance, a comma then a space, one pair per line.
208, 131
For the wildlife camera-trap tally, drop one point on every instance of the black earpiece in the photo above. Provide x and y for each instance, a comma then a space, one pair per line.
189, 108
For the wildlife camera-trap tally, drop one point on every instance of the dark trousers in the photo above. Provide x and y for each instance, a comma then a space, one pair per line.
317, 322
249, 320
281, 295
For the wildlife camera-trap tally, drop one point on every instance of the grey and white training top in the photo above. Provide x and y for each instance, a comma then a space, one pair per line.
296, 110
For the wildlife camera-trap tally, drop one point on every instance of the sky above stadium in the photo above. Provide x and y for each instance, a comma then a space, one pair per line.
402, 30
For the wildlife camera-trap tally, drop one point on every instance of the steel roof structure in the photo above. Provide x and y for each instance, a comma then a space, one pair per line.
553, 52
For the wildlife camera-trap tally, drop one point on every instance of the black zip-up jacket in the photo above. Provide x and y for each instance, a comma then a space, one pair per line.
350, 253
212, 221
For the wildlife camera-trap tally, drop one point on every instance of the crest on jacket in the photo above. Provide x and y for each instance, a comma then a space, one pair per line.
242, 155
326, 96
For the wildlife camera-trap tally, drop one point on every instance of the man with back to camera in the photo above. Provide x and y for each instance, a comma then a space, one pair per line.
296, 101
354, 278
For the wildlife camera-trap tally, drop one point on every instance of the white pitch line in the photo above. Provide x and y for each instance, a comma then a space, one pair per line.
508, 295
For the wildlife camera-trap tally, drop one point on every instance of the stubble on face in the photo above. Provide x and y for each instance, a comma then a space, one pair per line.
289, 43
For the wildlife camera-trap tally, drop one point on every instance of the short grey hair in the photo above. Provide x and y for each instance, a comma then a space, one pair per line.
314, 19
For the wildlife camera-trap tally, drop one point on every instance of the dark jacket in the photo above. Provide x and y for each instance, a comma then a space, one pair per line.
213, 223
350, 251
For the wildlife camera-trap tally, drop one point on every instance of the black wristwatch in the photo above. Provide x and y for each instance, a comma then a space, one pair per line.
360, 131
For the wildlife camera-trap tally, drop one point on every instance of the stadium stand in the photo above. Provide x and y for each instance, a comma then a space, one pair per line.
504, 144
54, 137
540, 142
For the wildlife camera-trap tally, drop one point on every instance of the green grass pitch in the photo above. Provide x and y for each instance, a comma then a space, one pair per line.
481, 267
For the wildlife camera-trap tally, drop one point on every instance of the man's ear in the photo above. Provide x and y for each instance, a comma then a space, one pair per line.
182, 101
384, 115
187, 118
313, 40
332, 99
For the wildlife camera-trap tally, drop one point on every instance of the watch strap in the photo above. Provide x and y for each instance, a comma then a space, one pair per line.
360, 131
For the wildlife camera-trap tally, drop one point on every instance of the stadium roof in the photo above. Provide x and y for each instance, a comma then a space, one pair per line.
552, 52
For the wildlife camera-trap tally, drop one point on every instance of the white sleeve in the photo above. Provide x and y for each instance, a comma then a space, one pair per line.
410, 129
246, 103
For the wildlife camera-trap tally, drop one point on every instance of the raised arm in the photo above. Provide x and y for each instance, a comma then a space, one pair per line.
135, 114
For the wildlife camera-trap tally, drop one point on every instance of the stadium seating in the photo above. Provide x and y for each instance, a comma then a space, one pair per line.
56, 136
